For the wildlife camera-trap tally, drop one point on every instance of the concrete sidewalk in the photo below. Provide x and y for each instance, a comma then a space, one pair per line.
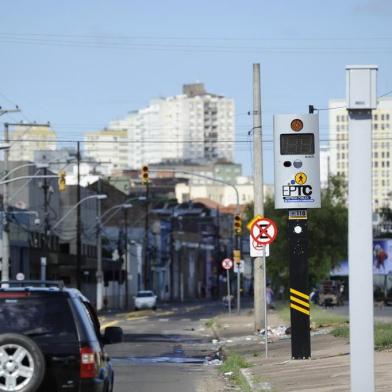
328, 370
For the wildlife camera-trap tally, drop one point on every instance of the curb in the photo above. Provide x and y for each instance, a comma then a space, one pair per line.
244, 372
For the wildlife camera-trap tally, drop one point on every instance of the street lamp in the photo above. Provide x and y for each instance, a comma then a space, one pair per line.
37, 165
98, 197
118, 206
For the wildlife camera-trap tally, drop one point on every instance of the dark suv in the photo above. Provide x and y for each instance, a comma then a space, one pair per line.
50, 340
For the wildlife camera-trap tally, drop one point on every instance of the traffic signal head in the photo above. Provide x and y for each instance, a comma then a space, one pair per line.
144, 175
237, 224
62, 183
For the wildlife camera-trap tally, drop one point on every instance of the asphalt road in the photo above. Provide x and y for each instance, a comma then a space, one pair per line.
165, 350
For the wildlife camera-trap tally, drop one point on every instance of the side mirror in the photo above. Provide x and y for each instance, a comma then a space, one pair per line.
113, 335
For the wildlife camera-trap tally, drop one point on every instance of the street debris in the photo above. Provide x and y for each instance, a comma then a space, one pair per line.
214, 362
277, 333
228, 374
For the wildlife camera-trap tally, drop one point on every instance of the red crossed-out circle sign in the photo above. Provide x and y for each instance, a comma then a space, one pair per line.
263, 231
227, 264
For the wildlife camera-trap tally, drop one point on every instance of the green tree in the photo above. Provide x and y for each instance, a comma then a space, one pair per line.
327, 228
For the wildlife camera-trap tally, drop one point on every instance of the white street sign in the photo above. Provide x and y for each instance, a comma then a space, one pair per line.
257, 250
241, 265
227, 264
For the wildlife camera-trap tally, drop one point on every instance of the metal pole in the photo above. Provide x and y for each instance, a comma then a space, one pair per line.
6, 239
126, 259
146, 260
78, 226
265, 307
238, 288
228, 290
46, 219
259, 266
99, 275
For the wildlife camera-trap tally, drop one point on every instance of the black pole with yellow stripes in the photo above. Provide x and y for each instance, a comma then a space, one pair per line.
299, 286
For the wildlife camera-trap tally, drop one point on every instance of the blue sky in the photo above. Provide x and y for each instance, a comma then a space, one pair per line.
79, 64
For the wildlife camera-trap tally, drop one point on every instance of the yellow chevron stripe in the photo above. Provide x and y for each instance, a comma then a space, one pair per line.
298, 301
300, 309
292, 291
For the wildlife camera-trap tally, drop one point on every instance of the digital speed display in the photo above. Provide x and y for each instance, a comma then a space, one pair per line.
297, 144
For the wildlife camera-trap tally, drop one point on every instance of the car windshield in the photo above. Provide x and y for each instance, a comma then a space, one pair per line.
45, 317
142, 294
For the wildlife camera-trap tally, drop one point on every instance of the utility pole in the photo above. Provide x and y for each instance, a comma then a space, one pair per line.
126, 258
99, 274
44, 261
259, 272
146, 245
6, 239
78, 225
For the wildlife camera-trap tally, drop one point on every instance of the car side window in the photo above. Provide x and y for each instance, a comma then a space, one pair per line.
93, 318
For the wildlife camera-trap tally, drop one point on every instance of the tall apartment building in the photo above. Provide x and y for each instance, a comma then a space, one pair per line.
109, 147
195, 126
27, 140
382, 147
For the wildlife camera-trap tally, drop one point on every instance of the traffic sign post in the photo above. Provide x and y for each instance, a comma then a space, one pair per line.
263, 231
227, 264
237, 260
297, 188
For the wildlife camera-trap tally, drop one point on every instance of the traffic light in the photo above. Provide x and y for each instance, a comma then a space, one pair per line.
144, 175
62, 183
237, 224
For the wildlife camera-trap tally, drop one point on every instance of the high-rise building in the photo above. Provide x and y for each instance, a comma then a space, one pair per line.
109, 147
26, 140
195, 126
382, 147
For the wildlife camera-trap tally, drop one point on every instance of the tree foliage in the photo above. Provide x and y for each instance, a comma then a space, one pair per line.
327, 228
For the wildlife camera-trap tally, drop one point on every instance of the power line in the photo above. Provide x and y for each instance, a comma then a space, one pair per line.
187, 47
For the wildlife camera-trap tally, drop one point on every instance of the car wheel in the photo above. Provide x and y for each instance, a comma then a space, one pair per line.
154, 308
22, 364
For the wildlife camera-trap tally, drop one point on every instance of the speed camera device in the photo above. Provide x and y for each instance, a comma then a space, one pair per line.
297, 161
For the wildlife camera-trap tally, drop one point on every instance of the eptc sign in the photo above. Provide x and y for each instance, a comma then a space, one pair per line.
297, 161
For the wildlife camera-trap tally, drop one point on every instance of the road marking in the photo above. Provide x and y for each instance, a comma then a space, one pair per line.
163, 319
136, 318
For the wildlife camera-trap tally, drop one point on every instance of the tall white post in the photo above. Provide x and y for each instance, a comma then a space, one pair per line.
360, 100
